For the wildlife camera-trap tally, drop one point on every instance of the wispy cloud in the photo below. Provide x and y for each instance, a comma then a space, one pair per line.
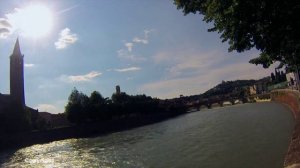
128, 69
143, 40
139, 40
81, 78
68, 9
128, 53
28, 65
66, 38
86, 77
125, 54
5, 28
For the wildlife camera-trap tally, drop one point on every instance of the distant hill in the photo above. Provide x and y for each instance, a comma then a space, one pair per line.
227, 87
221, 89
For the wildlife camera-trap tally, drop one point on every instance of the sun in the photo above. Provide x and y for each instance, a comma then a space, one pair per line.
32, 21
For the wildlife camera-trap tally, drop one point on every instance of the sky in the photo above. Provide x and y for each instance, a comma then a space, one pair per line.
146, 47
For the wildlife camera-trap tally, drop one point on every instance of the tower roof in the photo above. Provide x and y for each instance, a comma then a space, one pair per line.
17, 50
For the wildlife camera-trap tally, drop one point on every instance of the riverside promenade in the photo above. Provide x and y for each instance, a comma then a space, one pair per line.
291, 98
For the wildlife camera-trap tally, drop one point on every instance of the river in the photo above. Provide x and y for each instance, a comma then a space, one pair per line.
240, 136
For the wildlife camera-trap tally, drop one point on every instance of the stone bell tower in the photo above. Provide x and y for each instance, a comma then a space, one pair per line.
17, 75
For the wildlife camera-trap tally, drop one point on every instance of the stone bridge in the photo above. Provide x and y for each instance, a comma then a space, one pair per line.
208, 102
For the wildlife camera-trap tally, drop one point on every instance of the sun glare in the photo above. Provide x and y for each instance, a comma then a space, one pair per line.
33, 21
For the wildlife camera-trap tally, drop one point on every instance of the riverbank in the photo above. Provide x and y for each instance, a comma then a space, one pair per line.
291, 98
25, 139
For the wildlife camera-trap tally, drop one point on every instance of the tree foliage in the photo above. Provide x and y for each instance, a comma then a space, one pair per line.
81, 108
270, 26
77, 106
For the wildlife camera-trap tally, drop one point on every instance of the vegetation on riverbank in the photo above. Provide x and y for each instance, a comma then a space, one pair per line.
82, 109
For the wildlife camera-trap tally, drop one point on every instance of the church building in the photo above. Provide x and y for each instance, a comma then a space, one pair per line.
17, 75
17, 94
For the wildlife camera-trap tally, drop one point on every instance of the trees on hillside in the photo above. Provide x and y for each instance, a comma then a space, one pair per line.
270, 26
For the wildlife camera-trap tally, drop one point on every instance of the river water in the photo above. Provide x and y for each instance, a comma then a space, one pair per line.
241, 136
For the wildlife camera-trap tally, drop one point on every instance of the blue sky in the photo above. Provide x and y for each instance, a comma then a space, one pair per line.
144, 46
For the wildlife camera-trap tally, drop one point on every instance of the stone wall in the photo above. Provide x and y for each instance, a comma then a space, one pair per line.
291, 98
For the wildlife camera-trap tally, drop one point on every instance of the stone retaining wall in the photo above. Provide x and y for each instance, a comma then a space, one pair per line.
291, 98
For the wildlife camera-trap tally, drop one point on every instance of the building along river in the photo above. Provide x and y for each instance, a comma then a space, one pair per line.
241, 136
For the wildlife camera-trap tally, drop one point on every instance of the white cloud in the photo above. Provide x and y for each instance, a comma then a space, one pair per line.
143, 40
65, 38
129, 46
28, 65
139, 40
125, 54
81, 78
47, 108
128, 69
128, 54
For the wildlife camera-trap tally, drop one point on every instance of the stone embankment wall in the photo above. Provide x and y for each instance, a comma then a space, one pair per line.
291, 98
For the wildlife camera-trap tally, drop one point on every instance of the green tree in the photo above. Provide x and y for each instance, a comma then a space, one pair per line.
121, 98
97, 98
97, 106
270, 26
77, 107
82, 109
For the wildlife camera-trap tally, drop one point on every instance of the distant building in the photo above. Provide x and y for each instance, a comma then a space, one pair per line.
118, 90
262, 85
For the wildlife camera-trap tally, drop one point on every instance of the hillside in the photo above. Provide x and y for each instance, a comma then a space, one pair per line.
227, 87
